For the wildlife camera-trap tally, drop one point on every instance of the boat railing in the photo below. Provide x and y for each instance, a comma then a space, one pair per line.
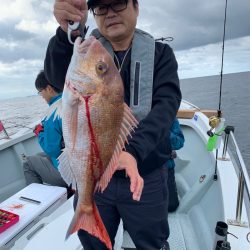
243, 178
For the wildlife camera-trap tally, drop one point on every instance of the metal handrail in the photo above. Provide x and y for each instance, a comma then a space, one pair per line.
242, 164
244, 181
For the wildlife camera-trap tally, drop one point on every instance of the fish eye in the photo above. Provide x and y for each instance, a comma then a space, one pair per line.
101, 68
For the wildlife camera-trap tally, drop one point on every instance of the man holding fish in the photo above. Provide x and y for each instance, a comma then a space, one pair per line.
118, 85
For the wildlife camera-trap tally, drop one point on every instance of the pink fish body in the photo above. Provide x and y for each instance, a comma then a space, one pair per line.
96, 123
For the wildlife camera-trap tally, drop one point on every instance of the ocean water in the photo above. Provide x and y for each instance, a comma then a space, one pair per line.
203, 91
235, 103
18, 113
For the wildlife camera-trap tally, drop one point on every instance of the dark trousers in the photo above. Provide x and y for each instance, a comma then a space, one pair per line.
173, 202
146, 220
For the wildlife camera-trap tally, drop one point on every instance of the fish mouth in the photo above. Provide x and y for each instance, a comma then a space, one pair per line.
86, 96
79, 93
82, 46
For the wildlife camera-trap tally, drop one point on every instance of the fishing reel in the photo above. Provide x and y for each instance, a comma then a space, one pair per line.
214, 121
217, 124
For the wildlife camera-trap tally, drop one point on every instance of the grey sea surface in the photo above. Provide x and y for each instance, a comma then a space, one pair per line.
204, 92
18, 113
235, 103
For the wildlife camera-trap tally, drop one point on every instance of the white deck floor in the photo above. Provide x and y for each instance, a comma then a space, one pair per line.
181, 234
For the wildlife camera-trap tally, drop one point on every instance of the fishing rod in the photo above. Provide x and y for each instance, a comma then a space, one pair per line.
7, 135
220, 94
19, 125
222, 59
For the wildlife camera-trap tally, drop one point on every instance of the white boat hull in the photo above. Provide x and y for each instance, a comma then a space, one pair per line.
203, 200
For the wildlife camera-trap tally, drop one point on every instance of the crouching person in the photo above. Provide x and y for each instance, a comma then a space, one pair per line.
43, 167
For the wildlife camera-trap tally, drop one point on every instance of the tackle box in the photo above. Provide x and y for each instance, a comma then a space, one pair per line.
7, 219
30, 204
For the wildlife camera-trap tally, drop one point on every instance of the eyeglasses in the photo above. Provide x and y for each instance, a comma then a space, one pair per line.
39, 92
102, 9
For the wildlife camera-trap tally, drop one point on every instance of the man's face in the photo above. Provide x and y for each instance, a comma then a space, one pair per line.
46, 93
117, 26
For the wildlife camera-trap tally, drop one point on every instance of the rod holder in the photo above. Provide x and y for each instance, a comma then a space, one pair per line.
227, 131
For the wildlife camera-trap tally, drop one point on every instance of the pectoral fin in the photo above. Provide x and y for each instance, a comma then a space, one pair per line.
65, 169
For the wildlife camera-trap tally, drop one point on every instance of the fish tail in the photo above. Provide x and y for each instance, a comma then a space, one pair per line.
90, 221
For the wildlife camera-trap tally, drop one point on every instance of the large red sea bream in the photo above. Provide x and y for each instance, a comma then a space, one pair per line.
96, 123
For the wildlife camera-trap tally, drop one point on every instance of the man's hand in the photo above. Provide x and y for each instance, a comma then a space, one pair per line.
127, 162
74, 10
38, 128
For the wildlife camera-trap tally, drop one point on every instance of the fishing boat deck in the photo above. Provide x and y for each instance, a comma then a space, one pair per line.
181, 237
181, 234
203, 201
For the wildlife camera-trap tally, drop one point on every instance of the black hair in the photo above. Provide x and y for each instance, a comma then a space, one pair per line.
91, 5
42, 82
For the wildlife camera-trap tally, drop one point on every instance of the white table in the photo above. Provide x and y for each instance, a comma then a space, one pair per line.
51, 197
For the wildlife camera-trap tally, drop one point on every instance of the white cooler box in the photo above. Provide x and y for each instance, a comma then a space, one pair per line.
30, 213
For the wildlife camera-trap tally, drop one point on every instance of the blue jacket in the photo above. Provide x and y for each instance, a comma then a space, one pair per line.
176, 139
51, 138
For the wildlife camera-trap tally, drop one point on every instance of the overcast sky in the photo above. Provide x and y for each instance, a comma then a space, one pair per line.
196, 25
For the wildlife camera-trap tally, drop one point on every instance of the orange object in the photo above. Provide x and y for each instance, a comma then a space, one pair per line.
16, 206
